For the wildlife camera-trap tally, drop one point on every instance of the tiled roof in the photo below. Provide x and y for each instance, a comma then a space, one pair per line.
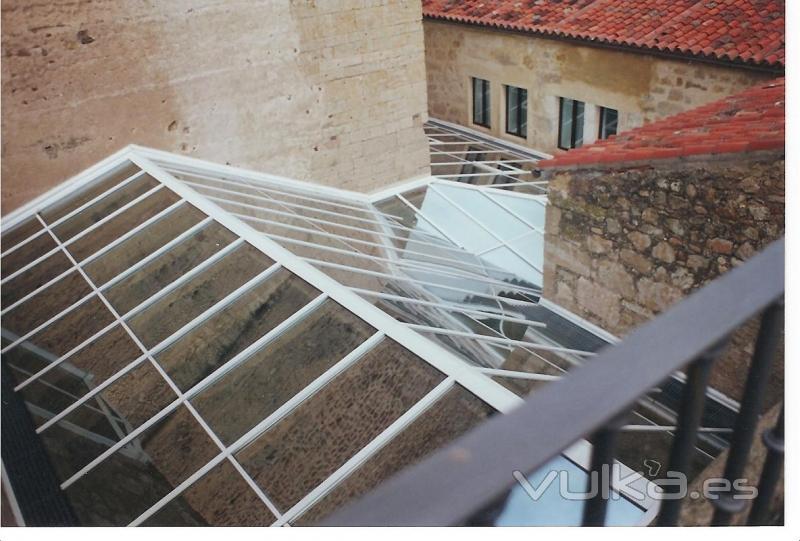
750, 31
752, 120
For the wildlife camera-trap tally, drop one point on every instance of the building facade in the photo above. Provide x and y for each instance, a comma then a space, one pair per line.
330, 91
576, 87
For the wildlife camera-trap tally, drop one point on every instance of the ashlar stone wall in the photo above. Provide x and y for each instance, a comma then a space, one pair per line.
641, 87
329, 91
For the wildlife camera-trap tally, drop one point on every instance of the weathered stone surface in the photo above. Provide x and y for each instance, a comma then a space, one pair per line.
640, 241
599, 301
657, 296
598, 245
720, 246
664, 252
332, 91
645, 251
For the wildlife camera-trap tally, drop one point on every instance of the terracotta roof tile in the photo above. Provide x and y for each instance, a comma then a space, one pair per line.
752, 120
751, 31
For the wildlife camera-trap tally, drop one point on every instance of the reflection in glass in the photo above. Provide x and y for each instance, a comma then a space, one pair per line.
255, 389
168, 267
302, 450
227, 333
179, 307
131, 480
71, 379
121, 224
454, 414
105, 419
141, 245
554, 509
219, 498
82, 196
106, 206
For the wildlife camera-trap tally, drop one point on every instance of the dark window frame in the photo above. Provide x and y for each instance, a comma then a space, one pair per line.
574, 127
486, 111
521, 117
600, 132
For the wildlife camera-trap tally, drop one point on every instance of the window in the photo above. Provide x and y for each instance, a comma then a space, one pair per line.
481, 102
517, 111
570, 123
608, 122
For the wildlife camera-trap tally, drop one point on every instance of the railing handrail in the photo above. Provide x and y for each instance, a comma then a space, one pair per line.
460, 480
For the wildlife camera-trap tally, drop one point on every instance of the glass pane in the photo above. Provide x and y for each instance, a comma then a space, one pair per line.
220, 498
130, 481
25, 229
46, 304
176, 309
302, 450
579, 106
227, 333
105, 418
35, 277
68, 204
477, 101
523, 112
280, 370
26, 254
565, 124
110, 203
67, 332
168, 267
141, 245
76, 376
454, 414
608, 125
552, 509
512, 119
121, 224
487, 104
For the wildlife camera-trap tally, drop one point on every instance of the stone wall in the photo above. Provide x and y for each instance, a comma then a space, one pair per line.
328, 91
623, 245
640, 86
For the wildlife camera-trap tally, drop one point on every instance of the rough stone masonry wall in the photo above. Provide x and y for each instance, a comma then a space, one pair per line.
622, 246
329, 91
641, 87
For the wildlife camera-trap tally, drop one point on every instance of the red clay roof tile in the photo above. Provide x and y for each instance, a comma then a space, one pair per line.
752, 120
751, 31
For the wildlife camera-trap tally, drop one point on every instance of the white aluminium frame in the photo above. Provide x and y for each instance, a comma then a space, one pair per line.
454, 369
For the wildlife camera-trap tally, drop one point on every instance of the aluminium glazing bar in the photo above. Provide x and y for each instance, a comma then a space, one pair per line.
242, 356
388, 246
168, 341
284, 410
97, 254
168, 246
368, 451
412, 264
448, 306
498, 340
320, 263
326, 222
277, 201
83, 233
79, 209
242, 181
485, 228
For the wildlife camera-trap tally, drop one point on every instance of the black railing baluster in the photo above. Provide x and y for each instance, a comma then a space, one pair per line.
605, 444
727, 504
689, 417
770, 475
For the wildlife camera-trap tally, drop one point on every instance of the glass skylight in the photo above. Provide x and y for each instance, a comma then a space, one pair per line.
199, 344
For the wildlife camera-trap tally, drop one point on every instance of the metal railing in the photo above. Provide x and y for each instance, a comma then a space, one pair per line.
456, 484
